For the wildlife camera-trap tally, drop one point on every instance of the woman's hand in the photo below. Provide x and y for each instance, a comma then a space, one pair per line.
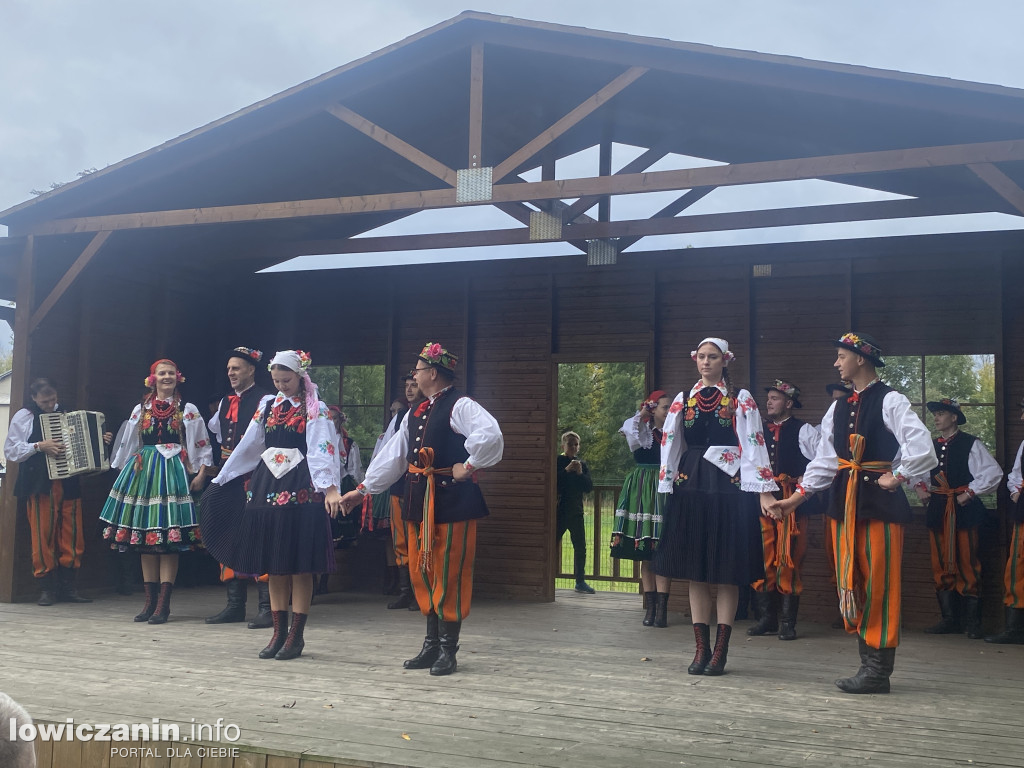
333, 501
349, 501
767, 505
199, 481
1014, 497
922, 493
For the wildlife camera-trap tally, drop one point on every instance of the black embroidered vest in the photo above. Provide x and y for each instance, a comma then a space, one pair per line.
953, 460
865, 416
230, 431
453, 502
650, 455
785, 455
33, 477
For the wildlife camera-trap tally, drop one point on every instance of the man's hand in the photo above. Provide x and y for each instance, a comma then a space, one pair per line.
461, 474
1014, 497
108, 437
348, 502
575, 466
888, 482
922, 493
963, 498
50, 447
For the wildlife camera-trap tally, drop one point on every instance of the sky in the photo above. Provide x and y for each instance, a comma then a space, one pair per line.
86, 84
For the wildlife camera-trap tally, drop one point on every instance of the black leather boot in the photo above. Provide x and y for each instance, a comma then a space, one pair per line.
279, 620
150, 588
949, 605
661, 615
702, 635
787, 619
431, 646
263, 619
873, 676
971, 606
67, 590
652, 608
234, 611
391, 578
294, 643
718, 657
1013, 633
446, 664
47, 589
767, 606
163, 604
405, 598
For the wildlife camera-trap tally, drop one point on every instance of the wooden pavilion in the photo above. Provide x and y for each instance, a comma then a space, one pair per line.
159, 254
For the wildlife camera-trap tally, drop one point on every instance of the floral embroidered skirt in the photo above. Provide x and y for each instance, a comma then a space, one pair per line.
150, 507
712, 531
277, 526
638, 515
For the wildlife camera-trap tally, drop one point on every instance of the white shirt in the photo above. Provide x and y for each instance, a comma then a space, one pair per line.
322, 448
484, 442
808, 438
17, 447
914, 459
196, 440
755, 467
350, 464
1014, 480
639, 433
386, 435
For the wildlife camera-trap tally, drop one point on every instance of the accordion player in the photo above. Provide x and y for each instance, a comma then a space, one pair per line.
81, 432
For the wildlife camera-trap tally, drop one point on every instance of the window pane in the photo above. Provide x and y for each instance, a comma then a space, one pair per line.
904, 375
365, 424
960, 376
364, 385
327, 379
981, 422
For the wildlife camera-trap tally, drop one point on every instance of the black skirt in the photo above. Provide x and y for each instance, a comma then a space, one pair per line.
712, 533
276, 526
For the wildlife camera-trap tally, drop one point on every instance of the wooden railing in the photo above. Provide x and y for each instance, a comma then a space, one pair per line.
599, 517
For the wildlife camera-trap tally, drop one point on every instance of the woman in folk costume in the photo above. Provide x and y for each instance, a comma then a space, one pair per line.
639, 513
282, 528
716, 468
150, 507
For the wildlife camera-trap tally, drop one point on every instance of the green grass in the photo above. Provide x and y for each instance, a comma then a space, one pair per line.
605, 565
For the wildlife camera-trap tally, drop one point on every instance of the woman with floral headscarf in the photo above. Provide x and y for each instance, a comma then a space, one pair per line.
150, 507
715, 466
281, 527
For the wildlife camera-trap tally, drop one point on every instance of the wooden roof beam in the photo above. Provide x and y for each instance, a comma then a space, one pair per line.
657, 181
678, 205
1002, 184
532, 147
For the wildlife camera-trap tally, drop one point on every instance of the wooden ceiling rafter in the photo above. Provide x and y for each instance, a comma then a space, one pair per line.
1002, 184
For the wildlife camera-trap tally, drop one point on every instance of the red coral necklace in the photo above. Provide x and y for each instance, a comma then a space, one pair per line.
161, 409
708, 403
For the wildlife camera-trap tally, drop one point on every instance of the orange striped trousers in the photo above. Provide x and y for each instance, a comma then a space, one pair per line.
399, 535
1013, 581
968, 566
878, 561
447, 589
55, 524
227, 574
782, 578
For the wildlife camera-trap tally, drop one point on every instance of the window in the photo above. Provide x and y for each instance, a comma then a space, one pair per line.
360, 391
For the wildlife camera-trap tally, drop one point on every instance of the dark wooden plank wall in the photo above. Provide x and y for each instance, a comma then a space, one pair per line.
514, 322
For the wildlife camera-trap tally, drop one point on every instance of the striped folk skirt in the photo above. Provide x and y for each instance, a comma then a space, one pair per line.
638, 515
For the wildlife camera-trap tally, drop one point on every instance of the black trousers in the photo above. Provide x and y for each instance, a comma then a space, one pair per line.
577, 533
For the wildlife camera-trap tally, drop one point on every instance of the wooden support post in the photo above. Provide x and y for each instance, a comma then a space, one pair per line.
476, 106
68, 278
1006, 187
19, 384
604, 168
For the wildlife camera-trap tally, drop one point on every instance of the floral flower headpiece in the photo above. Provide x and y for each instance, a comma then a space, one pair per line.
722, 345
435, 354
150, 381
246, 353
863, 345
652, 399
789, 390
293, 359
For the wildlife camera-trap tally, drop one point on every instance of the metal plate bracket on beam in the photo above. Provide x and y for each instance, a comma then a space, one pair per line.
602, 253
473, 185
544, 226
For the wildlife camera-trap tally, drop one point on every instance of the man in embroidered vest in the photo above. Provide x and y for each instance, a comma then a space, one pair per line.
966, 470
1013, 579
227, 426
439, 448
861, 437
791, 443
54, 507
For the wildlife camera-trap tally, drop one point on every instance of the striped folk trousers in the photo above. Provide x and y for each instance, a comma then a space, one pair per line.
968, 566
55, 524
781, 578
878, 560
1013, 581
399, 535
447, 588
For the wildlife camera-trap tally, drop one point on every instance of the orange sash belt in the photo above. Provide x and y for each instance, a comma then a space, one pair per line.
426, 458
848, 537
942, 488
786, 527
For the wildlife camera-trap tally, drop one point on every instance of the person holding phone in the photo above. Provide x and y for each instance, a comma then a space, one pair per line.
573, 478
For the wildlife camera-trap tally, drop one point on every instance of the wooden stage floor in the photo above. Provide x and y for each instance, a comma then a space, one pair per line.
574, 683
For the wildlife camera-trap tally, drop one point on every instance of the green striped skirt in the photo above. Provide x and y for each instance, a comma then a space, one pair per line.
638, 515
150, 507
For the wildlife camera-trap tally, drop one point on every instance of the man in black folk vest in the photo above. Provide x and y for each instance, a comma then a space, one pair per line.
439, 448
53, 507
966, 470
227, 426
791, 444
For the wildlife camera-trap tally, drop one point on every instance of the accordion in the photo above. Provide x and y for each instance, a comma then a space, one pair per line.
81, 432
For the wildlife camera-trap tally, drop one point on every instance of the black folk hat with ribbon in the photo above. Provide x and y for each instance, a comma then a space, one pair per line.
863, 345
950, 404
789, 390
